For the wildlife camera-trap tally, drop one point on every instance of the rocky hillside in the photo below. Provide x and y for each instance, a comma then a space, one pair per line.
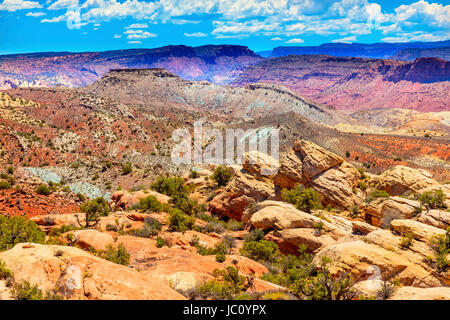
372, 236
412, 54
354, 84
151, 86
218, 64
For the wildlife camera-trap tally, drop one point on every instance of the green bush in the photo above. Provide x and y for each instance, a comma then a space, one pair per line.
179, 221
5, 273
254, 235
193, 174
222, 175
25, 291
4, 185
160, 242
227, 284
150, 204
406, 240
170, 186
150, 228
304, 199
376, 194
127, 168
10, 170
433, 199
18, 229
308, 281
441, 247
220, 257
43, 189
188, 206
94, 209
117, 255
261, 250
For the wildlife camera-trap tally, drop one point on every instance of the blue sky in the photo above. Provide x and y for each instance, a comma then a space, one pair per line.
96, 25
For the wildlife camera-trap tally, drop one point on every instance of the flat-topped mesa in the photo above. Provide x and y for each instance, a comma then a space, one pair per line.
159, 72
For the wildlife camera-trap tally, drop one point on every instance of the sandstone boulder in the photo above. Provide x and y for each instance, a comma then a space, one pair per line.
89, 238
401, 179
381, 212
124, 199
289, 240
80, 275
413, 293
419, 230
435, 218
360, 258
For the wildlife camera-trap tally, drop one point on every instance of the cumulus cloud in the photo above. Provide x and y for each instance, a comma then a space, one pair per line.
295, 40
142, 35
135, 42
273, 18
195, 34
137, 26
117, 36
63, 4
35, 14
14, 5
349, 39
276, 39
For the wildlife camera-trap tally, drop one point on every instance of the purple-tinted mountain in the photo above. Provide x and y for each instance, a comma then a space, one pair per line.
214, 63
372, 50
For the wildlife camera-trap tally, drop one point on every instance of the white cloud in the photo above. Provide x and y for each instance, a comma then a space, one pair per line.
55, 19
276, 39
196, 34
14, 5
142, 35
273, 18
63, 4
135, 42
295, 40
35, 14
117, 36
349, 39
137, 26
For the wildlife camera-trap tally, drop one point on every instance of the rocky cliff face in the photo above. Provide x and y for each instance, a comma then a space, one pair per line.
217, 64
357, 83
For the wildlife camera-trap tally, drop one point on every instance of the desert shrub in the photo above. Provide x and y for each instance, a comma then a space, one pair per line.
5, 273
362, 174
215, 227
220, 257
354, 211
376, 194
150, 228
150, 204
117, 255
25, 291
406, 240
18, 229
194, 174
308, 281
55, 232
227, 284
441, 246
4, 185
304, 199
318, 226
170, 186
188, 206
254, 235
160, 242
43, 189
94, 209
387, 289
433, 199
127, 168
222, 175
261, 250
179, 221
10, 170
